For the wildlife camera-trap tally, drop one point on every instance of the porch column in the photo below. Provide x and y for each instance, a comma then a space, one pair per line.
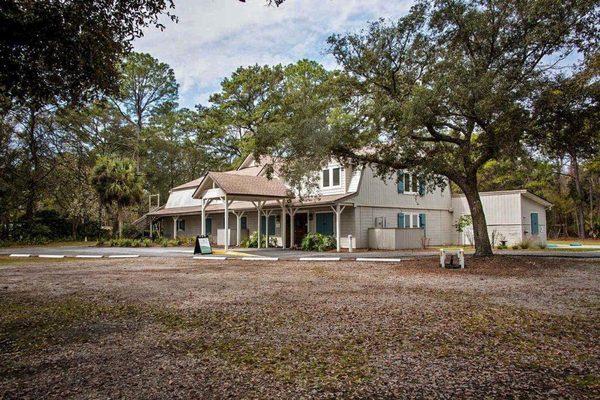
268, 215
283, 226
238, 226
292, 211
175, 227
226, 224
258, 205
203, 222
338, 212
151, 228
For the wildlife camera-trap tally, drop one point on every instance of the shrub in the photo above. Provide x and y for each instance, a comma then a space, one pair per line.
132, 232
317, 242
525, 244
252, 241
502, 247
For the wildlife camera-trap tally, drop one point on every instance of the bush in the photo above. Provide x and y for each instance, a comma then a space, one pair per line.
132, 232
525, 244
502, 247
252, 241
317, 242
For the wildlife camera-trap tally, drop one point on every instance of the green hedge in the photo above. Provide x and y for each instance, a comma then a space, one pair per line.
318, 242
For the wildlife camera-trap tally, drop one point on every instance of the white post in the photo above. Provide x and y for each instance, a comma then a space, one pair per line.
283, 225
238, 227
337, 227
258, 206
350, 250
226, 224
203, 222
461, 257
338, 223
292, 213
150, 229
175, 227
267, 217
442, 258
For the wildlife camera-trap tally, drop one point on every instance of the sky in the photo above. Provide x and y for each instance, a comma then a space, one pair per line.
214, 37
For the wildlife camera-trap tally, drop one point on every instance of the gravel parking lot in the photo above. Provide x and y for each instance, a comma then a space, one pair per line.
178, 328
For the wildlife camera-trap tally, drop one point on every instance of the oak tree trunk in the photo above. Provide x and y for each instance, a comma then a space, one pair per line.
483, 247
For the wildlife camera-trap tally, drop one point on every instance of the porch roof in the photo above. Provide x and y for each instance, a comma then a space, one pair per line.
241, 187
247, 205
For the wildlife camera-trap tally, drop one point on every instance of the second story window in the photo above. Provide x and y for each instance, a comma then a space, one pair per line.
326, 178
410, 184
331, 177
336, 176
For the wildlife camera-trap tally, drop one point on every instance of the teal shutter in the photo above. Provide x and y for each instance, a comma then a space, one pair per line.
263, 225
421, 187
422, 220
400, 176
208, 225
244, 222
400, 220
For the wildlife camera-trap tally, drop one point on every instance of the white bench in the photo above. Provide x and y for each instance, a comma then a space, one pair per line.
460, 254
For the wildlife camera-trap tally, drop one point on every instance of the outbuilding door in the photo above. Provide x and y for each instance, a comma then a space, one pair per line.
325, 223
535, 224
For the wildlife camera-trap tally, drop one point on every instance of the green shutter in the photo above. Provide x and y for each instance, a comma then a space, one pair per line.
400, 220
421, 187
422, 220
400, 177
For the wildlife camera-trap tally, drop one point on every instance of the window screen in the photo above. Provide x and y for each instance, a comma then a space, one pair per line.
336, 177
325, 178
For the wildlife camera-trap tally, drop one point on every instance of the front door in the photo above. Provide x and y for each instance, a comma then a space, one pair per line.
325, 223
300, 221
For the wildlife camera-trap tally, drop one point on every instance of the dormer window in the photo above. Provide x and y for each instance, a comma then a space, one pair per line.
331, 177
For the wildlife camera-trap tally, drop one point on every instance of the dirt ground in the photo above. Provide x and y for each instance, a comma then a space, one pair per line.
176, 328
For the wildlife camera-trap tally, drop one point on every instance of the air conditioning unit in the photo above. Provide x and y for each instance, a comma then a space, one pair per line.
379, 222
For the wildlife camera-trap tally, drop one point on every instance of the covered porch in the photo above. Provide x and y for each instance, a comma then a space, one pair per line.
245, 204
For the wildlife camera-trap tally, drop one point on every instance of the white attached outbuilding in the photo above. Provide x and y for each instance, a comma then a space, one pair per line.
512, 216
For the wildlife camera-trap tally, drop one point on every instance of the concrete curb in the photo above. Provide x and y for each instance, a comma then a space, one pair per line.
20, 255
260, 258
320, 259
124, 256
51, 256
220, 258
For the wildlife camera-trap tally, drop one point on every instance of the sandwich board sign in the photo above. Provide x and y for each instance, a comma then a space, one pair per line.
202, 245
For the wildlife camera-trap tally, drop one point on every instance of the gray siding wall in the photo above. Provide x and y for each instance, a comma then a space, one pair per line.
438, 223
377, 192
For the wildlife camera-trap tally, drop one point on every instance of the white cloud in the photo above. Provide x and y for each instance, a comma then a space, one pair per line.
214, 37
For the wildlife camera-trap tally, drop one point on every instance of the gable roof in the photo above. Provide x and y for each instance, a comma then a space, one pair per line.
244, 185
523, 192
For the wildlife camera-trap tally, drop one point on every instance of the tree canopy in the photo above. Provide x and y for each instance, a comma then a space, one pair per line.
445, 89
68, 50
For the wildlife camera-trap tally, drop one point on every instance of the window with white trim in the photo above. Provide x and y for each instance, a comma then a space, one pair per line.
411, 184
331, 177
410, 220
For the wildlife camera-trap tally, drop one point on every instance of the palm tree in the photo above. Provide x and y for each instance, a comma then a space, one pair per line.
118, 184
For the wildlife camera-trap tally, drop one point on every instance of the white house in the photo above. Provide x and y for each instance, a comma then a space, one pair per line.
377, 213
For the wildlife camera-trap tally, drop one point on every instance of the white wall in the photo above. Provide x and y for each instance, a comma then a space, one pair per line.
527, 207
506, 213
